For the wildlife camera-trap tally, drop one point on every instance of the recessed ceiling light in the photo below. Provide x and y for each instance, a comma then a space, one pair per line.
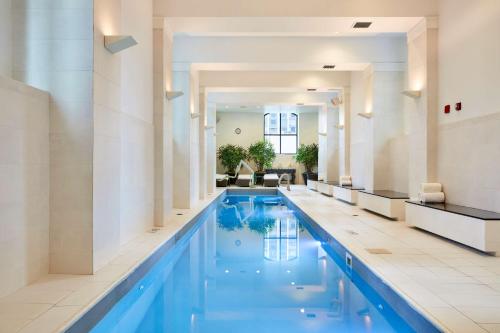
362, 25
227, 106
328, 66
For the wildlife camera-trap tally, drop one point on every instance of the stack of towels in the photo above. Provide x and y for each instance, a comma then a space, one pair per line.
431, 193
345, 181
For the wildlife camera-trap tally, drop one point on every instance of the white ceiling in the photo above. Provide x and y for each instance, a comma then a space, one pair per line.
288, 26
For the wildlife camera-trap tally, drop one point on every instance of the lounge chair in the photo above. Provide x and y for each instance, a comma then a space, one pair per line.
221, 180
271, 180
244, 180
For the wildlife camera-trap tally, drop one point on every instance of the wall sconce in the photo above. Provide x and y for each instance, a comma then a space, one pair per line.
365, 115
115, 44
340, 127
209, 127
195, 115
173, 94
322, 133
412, 93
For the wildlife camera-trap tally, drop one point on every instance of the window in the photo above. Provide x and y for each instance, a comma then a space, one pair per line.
281, 130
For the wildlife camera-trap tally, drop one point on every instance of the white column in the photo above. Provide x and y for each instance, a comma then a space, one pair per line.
344, 130
162, 64
185, 138
385, 103
202, 147
211, 145
328, 144
422, 75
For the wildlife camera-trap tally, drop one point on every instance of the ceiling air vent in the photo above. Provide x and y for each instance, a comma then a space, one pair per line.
328, 66
362, 25
311, 89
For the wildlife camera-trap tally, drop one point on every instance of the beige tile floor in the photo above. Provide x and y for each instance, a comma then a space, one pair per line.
457, 287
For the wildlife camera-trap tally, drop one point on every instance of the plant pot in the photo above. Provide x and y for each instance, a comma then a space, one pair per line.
259, 177
304, 177
312, 176
232, 180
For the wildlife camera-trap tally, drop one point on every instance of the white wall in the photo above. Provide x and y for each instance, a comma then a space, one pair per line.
123, 129
53, 52
24, 193
6, 38
137, 147
252, 130
289, 50
469, 71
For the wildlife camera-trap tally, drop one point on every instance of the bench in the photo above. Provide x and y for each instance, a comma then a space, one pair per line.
312, 184
384, 202
326, 187
476, 228
347, 194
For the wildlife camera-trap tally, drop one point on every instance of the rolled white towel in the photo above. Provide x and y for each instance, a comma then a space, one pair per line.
436, 197
345, 182
431, 187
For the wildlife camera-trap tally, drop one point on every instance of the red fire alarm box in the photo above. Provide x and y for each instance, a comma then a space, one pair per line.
447, 108
458, 106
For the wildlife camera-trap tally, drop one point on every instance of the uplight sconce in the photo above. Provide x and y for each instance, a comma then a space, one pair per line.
195, 115
173, 94
115, 44
412, 93
366, 115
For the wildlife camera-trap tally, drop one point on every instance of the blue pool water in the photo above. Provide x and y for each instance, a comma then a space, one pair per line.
251, 265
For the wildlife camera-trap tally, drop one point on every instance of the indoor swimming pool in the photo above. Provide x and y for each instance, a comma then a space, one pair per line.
254, 263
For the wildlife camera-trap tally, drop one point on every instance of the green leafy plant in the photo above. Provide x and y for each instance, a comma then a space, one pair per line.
230, 156
307, 155
262, 153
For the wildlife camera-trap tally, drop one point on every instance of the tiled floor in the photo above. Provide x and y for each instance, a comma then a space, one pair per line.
53, 302
456, 286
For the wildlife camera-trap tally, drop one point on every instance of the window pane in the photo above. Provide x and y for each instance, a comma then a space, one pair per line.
289, 144
275, 140
288, 123
271, 123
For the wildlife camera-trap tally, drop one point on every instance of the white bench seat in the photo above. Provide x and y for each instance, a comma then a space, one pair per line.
347, 194
476, 228
326, 187
384, 202
312, 184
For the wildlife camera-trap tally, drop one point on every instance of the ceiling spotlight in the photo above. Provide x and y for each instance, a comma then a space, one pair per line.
362, 25
328, 66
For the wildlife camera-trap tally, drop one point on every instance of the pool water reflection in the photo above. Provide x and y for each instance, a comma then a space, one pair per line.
251, 267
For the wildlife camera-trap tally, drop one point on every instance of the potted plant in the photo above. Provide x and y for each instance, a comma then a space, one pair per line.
263, 155
230, 156
307, 155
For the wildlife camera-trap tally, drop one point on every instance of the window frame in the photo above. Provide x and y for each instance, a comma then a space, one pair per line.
296, 135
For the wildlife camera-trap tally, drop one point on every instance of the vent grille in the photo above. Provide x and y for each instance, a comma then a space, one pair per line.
362, 25
328, 66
